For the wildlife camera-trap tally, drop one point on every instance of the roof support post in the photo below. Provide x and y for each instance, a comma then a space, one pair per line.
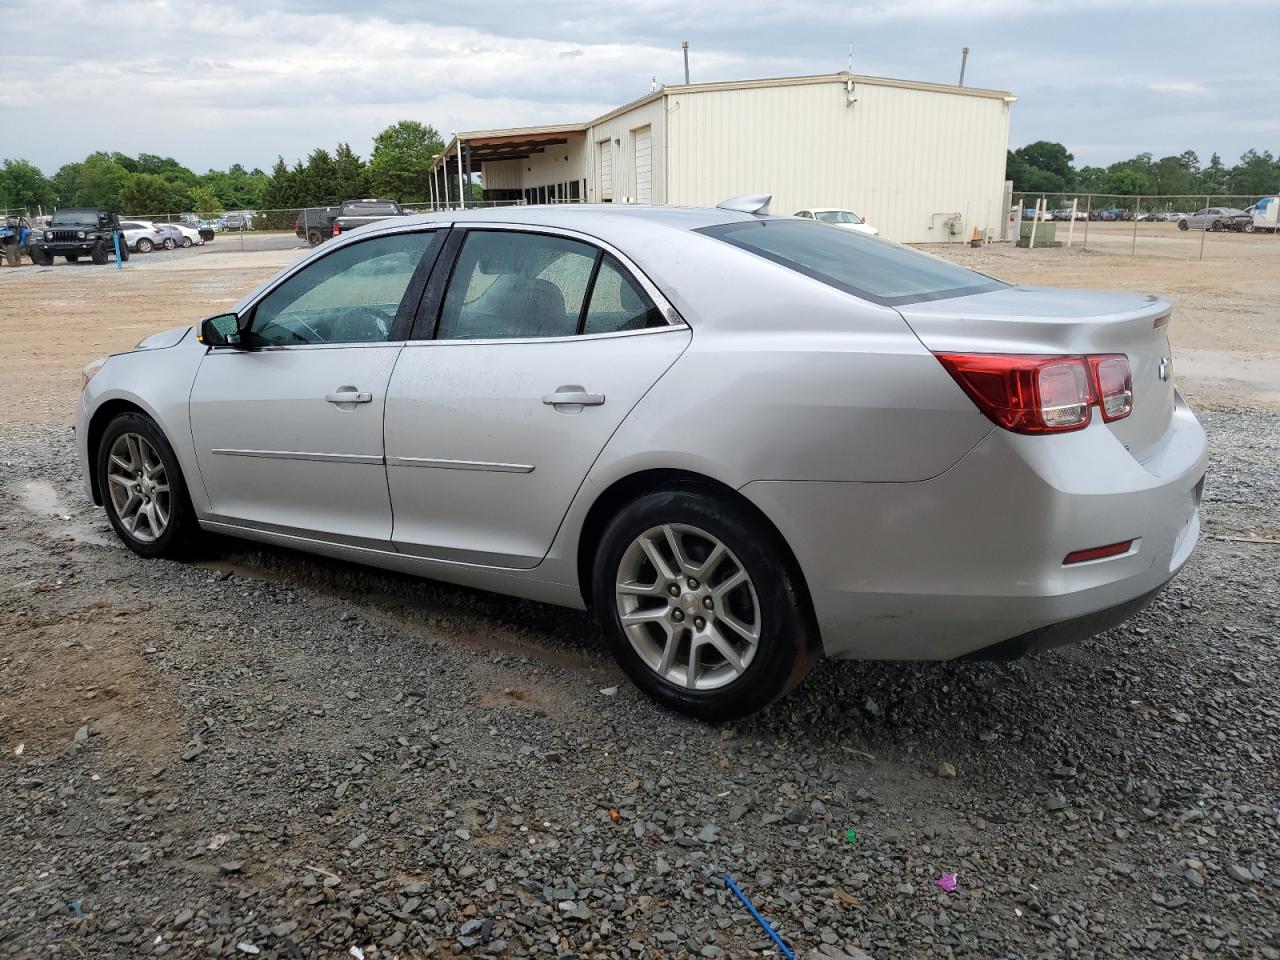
462, 200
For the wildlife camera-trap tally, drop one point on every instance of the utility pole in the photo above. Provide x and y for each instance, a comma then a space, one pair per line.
964, 58
685, 46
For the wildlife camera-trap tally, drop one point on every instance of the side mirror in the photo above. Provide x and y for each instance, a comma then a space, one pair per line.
221, 331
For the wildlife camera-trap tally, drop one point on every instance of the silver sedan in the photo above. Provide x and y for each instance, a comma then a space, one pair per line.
741, 440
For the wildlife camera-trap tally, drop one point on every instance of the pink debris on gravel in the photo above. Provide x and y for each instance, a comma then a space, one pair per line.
947, 882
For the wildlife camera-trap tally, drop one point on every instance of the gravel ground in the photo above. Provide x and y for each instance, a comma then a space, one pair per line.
264, 754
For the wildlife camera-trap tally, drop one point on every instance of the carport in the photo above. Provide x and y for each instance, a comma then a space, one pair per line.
504, 158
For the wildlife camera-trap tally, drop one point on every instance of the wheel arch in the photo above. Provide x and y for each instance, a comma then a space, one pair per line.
626, 489
107, 412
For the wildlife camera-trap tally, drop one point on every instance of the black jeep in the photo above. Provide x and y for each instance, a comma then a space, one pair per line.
74, 232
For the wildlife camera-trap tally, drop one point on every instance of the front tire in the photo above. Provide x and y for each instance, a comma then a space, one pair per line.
99, 253
143, 489
1182, 225
699, 606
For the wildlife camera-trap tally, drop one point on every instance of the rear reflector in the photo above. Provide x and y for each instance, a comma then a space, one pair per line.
1161, 322
1098, 553
337, 228
1038, 394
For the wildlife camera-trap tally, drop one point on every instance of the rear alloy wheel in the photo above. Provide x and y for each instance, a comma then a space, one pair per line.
186, 241
145, 245
698, 606
1182, 225
314, 238
143, 489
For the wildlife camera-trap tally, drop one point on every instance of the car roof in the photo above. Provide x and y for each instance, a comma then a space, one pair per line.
828, 209
586, 216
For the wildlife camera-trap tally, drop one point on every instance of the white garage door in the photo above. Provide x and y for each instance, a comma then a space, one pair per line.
605, 147
643, 151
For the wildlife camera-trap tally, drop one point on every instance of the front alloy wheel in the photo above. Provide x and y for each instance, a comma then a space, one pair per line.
139, 487
142, 488
701, 603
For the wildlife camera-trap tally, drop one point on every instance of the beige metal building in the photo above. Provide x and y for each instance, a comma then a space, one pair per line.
921, 161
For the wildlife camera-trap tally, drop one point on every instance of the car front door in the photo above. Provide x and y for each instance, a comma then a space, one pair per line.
534, 351
288, 427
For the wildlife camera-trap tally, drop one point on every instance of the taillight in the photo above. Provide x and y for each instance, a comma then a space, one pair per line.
1113, 379
337, 229
1038, 394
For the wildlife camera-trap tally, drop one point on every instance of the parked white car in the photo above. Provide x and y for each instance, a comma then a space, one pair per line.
190, 235
845, 219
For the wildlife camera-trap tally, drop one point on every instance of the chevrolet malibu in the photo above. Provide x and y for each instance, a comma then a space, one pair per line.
741, 440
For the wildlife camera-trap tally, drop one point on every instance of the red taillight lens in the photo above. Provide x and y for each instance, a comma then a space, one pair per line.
1113, 380
336, 228
1025, 394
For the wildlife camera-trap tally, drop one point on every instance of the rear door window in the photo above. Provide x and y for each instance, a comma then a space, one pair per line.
873, 269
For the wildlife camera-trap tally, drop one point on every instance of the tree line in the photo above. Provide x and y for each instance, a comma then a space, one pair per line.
1046, 167
399, 168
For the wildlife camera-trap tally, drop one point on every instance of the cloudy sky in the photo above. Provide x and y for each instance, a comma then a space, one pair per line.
245, 80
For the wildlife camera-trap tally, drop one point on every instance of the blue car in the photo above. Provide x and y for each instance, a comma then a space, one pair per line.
15, 237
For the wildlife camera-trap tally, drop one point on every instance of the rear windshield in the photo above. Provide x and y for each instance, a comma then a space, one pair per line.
370, 209
866, 267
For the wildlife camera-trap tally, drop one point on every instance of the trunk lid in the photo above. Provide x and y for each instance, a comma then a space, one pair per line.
1043, 320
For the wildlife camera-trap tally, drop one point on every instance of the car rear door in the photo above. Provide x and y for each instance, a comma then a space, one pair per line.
288, 432
534, 349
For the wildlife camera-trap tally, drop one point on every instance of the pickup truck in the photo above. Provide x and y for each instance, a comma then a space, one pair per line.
356, 213
315, 224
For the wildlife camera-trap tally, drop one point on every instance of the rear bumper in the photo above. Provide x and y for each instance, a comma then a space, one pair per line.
973, 558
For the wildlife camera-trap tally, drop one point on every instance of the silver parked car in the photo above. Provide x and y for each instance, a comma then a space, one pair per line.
1213, 218
742, 440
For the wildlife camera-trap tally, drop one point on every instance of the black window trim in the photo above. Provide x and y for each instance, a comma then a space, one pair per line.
718, 232
426, 324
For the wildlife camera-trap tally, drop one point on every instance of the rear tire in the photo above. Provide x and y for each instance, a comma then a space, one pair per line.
142, 488
145, 245
170, 243
40, 257
737, 634
314, 238
124, 250
11, 254
1182, 225
1217, 225
186, 242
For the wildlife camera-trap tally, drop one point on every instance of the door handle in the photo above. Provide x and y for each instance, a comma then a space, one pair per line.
349, 396
574, 397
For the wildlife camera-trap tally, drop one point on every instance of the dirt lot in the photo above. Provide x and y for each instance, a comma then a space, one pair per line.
259, 753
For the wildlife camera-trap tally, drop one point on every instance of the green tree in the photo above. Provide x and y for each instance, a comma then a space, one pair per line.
1255, 174
151, 194
1213, 178
101, 182
202, 199
351, 173
1048, 156
23, 185
400, 166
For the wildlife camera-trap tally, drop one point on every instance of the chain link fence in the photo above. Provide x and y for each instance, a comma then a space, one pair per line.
1179, 225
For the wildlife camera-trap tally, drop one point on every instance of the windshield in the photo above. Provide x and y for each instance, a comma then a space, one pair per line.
837, 216
873, 269
370, 209
78, 217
